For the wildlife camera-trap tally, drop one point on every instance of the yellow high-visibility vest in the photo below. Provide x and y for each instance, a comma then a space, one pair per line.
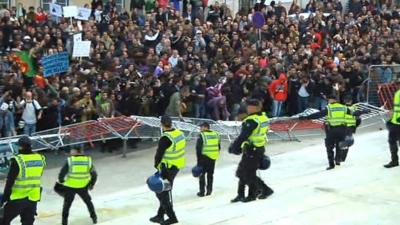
396, 108
350, 119
27, 184
336, 115
175, 154
79, 168
211, 141
258, 136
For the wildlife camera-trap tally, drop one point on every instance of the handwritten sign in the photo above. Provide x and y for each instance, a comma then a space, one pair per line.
81, 49
83, 14
55, 64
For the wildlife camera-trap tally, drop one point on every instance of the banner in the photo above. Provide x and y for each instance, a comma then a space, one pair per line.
81, 49
83, 14
70, 11
55, 10
55, 64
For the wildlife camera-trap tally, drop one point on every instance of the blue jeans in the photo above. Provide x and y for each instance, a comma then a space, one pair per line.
302, 103
29, 129
199, 110
276, 108
235, 111
320, 103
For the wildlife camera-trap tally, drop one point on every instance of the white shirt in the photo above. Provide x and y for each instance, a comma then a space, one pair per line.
303, 92
29, 114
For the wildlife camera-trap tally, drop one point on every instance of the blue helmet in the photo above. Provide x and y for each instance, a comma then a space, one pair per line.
157, 184
265, 163
197, 171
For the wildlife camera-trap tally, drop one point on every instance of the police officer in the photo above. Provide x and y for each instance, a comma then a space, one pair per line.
207, 148
335, 128
352, 122
169, 159
23, 190
251, 142
78, 175
393, 125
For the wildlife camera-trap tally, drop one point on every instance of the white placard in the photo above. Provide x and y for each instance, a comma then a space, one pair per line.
81, 49
77, 37
70, 11
55, 10
83, 14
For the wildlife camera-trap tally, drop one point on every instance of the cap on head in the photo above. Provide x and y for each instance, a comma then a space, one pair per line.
166, 121
24, 141
332, 96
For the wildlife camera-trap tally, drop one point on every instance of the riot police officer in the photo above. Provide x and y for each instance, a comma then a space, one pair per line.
169, 159
207, 148
335, 128
78, 175
393, 125
251, 142
352, 122
23, 190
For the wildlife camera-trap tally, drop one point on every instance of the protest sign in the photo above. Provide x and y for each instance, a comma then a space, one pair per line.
81, 49
77, 37
83, 14
55, 64
70, 11
55, 10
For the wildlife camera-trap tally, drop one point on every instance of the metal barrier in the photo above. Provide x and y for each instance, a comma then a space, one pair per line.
379, 75
281, 129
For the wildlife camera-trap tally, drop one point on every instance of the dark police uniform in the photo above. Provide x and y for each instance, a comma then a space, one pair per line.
207, 148
393, 125
335, 129
251, 142
78, 175
23, 190
169, 159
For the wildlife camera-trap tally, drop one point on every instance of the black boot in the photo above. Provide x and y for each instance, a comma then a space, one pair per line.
157, 219
237, 199
395, 158
344, 154
331, 166
94, 219
202, 184
210, 180
64, 221
171, 216
265, 193
391, 164
170, 221
250, 198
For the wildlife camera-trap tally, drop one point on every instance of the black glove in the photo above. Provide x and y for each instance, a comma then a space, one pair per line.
234, 150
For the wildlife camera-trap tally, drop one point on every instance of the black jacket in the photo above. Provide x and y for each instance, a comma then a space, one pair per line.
11, 177
199, 149
247, 128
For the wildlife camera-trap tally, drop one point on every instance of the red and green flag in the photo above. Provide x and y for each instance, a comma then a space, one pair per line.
27, 63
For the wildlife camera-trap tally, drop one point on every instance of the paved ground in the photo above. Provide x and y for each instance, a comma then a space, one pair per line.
359, 192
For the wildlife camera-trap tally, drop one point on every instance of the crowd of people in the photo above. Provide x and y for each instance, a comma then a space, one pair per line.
191, 60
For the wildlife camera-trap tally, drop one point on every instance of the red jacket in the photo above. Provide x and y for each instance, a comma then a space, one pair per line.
279, 88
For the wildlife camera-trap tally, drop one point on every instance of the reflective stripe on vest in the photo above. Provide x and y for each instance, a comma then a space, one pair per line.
336, 114
79, 168
28, 182
175, 154
396, 108
259, 135
350, 119
211, 142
